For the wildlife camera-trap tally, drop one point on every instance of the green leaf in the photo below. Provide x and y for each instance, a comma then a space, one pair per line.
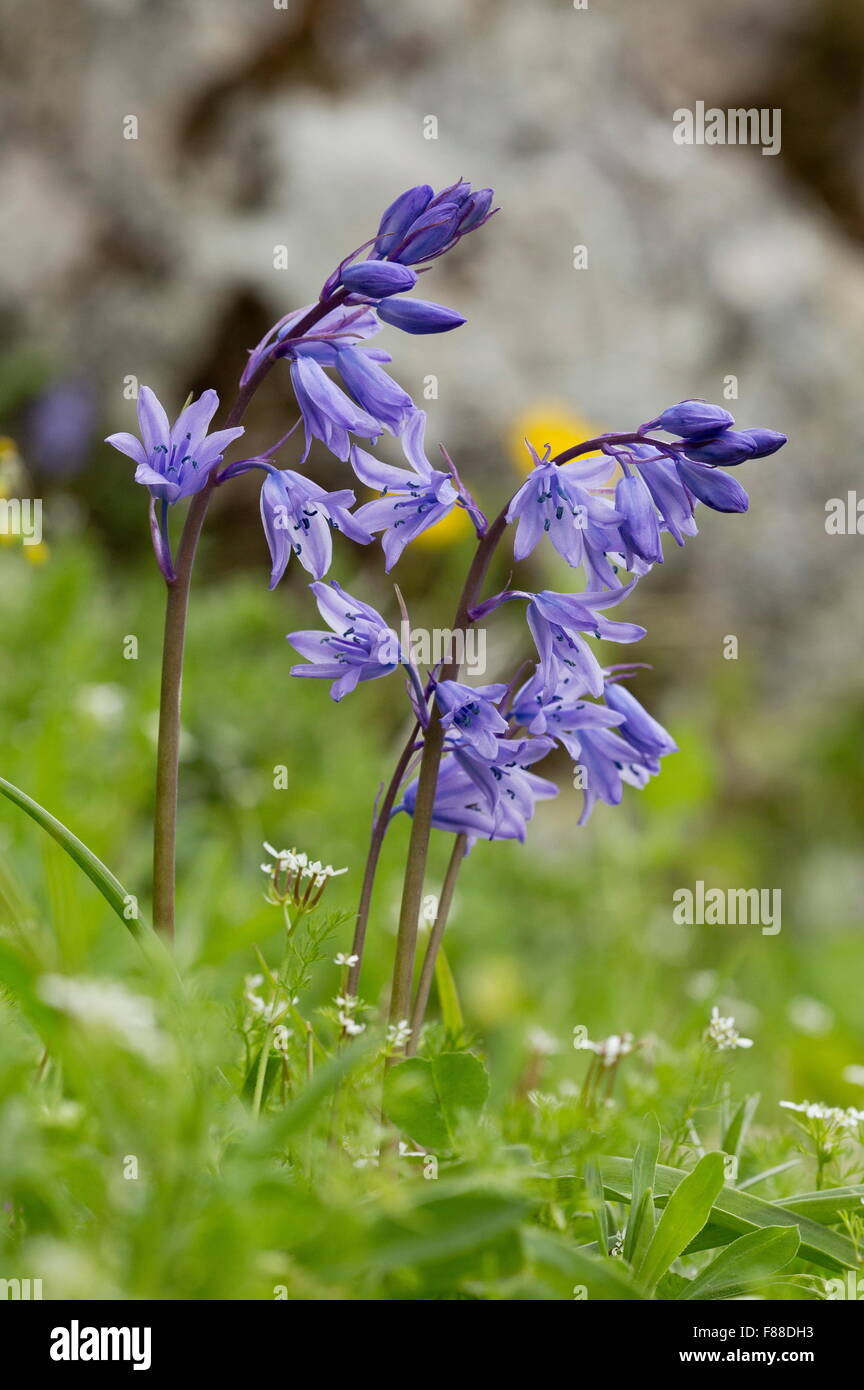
110, 887
565, 1268
425, 1097
747, 1261
826, 1206
733, 1140
448, 998
685, 1214
641, 1213
599, 1212
735, 1213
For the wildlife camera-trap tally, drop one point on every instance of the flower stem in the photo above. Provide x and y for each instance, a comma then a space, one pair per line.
421, 824
177, 602
428, 968
379, 830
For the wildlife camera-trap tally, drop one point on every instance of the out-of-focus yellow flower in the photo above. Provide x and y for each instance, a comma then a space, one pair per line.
454, 527
11, 467
37, 554
547, 422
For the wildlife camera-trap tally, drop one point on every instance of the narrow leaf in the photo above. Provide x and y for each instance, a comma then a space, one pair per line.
747, 1261
685, 1214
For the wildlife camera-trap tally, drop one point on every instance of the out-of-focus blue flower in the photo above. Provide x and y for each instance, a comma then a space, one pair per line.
61, 426
298, 518
418, 315
555, 501
377, 279
360, 647
174, 461
411, 501
462, 808
471, 713
420, 225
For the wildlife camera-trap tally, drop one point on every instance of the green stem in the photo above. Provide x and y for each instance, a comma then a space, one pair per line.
261, 1073
427, 971
421, 824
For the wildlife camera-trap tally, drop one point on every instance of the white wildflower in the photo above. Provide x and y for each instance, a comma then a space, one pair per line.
398, 1033
723, 1033
610, 1050
543, 1043
342, 959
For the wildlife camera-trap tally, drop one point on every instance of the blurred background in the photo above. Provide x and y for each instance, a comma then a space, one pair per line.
152, 259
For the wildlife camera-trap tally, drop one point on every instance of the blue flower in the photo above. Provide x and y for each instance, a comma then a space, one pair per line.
360, 647
692, 419
555, 501
561, 712
376, 279
557, 622
174, 461
298, 517
420, 225
471, 713
411, 500
502, 810
419, 315
328, 413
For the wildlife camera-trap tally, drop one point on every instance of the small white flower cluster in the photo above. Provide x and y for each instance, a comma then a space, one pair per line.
105, 1007
398, 1034
298, 865
342, 959
832, 1115
347, 1004
610, 1050
723, 1033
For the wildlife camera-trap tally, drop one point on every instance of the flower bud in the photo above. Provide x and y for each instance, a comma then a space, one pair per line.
692, 420
418, 315
728, 448
378, 278
766, 442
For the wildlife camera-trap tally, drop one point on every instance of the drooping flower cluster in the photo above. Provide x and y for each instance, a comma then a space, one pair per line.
604, 504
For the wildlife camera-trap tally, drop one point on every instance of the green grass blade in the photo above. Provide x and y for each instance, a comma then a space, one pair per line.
733, 1140
448, 998
99, 874
644, 1163
747, 1261
686, 1212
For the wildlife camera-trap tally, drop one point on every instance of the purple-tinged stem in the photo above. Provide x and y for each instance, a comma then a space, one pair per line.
176, 607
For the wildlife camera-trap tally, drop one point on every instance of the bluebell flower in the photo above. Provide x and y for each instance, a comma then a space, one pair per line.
377, 279
360, 647
471, 713
557, 622
560, 712
420, 225
418, 315
411, 501
669, 493
637, 726
328, 413
174, 461
374, 390
628, 755
640, 527
461, 808
555, 501
729, 448
692, 419
299, 517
